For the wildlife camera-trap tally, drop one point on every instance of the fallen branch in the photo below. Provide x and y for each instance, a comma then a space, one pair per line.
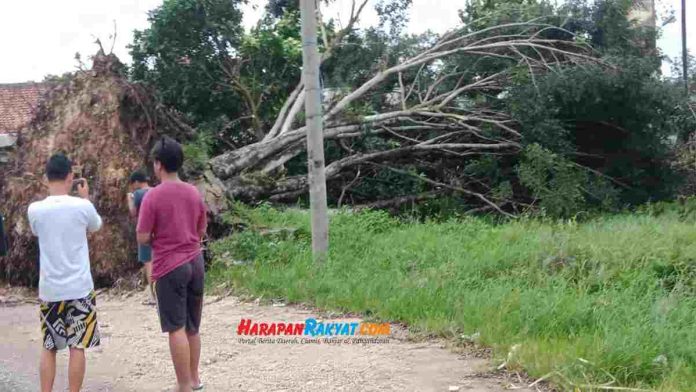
454, 188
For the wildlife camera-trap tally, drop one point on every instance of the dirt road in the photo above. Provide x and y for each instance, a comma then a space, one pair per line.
134, 355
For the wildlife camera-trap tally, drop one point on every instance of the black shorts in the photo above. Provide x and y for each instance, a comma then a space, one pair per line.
180, 296
71, 323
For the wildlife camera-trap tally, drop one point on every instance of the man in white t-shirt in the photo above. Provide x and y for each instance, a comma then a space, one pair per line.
66, 289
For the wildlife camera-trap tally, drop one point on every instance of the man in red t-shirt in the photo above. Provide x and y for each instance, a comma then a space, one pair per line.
172, 219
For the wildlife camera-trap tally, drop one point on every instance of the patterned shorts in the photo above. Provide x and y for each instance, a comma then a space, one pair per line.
70, 323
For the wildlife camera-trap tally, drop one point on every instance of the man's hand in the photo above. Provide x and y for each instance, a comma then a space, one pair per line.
83, 188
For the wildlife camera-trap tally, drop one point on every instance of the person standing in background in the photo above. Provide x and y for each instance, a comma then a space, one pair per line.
138, 187
66, 290
173, 219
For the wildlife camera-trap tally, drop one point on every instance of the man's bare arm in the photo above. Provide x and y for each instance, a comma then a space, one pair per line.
144, 238
133, 212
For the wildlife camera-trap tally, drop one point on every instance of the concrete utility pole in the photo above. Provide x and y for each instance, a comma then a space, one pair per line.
315, 133
685, 52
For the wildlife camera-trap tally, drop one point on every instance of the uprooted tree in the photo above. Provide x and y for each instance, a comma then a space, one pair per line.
521, 106
107, 125
440, 119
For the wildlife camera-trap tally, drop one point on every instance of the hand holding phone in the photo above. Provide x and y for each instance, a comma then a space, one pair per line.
82, 188
75, 183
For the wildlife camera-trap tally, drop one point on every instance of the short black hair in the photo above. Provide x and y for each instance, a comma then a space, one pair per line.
58, 167
169, 153
137, 176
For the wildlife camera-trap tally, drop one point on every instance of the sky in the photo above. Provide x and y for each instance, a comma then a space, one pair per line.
41, 37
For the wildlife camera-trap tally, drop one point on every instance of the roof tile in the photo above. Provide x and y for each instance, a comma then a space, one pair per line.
17, 104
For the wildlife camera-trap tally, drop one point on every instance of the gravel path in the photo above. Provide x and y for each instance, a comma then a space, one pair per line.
9, 381
134, 355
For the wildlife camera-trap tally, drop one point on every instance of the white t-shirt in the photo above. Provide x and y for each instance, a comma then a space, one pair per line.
61, 223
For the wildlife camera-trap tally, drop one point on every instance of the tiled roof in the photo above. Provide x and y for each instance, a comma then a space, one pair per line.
17, 104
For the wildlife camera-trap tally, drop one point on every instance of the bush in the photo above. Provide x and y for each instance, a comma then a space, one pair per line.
197, 154
617, 124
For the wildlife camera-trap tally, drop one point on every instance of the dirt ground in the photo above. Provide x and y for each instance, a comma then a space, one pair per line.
134, 355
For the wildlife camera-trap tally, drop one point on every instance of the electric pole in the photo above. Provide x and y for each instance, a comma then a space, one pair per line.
685, 52
315, 134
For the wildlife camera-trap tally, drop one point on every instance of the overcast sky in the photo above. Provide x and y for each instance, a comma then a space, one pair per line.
40, 37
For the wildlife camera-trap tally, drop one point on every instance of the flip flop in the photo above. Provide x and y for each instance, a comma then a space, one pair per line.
198, 387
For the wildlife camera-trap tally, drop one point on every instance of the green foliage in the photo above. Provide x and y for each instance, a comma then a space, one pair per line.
385, 184
277, 8
557, 182
197, 153
618, 122
270, 60
684, 209
606, 24
615, 291
393, 16
230, 83
603, 24
180, 53
480, 14
593, 136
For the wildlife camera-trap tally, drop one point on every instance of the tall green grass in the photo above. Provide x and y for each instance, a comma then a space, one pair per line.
610, 300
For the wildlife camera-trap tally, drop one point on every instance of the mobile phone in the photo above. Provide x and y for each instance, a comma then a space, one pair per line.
77, 171
75, 183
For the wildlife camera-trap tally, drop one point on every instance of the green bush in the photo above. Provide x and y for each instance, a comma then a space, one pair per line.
615, 122
197, 154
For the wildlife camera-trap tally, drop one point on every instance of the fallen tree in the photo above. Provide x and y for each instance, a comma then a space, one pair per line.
433, 117
410, 117
105, 124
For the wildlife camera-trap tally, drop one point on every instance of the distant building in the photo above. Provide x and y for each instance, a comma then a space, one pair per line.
18, 103
643, 14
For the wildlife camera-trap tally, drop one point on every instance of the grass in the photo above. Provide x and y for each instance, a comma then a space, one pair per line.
609, 300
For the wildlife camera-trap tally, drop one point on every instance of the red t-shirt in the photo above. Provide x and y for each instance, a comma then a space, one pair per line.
175, 214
